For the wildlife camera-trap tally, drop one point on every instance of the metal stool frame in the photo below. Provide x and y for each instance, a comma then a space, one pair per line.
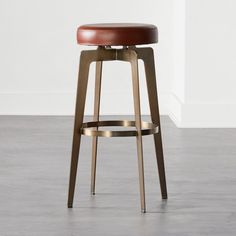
132, 55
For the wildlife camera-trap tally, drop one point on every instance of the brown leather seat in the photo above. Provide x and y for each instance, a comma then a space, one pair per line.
111, 34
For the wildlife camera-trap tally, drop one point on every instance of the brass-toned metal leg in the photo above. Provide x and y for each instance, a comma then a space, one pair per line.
96, 118
146, 54
136, 95
79, 113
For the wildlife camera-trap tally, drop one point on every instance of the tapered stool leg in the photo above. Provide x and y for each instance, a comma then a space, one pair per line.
96, 118
79, 113
148, 58
136, 95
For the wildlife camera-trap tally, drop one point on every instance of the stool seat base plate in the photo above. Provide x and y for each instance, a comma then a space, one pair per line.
91, 128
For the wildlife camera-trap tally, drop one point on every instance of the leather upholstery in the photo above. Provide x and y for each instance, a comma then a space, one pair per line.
114, 34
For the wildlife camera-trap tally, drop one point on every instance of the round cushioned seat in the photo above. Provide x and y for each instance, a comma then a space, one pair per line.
115, 34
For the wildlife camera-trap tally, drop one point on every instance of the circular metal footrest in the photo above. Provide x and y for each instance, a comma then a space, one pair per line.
88, 128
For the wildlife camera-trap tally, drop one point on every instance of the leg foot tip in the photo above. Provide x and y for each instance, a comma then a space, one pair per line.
69, 205
143, 210
164, 197
92, 193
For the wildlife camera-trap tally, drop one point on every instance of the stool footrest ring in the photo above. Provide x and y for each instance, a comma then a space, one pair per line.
91, 128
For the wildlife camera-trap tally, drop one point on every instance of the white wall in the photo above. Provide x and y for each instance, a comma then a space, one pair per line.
196, 58
39, 55
208, 97
177, 92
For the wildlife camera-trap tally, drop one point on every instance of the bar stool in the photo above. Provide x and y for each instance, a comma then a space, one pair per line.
106, 37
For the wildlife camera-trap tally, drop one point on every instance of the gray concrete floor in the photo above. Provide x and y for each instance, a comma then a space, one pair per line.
34, 169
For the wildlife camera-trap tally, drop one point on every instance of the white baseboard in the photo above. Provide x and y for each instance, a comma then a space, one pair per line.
207, 115
36, 103
62, 103
189, 115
